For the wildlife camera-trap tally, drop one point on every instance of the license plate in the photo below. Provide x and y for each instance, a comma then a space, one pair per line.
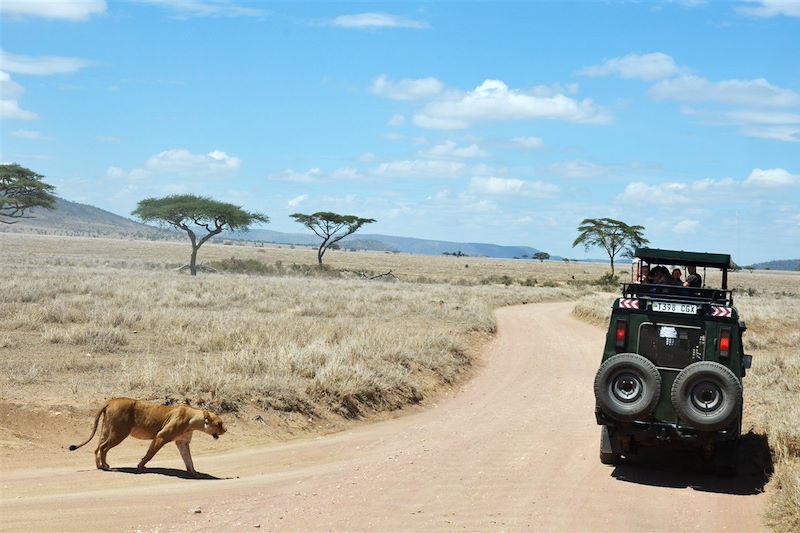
669, 307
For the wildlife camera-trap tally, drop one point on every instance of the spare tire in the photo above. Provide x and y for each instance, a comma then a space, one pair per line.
707, 395
627, 387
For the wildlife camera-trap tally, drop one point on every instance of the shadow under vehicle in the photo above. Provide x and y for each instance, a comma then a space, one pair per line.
673, 363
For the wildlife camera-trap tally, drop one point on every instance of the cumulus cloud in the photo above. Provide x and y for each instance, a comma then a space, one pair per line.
771, 8
664, 194
71, 10
493, 100
753, 93
449, 149
184, 163
184, 9
376, 20
646, 67
529, 143
495, 186
40, 66
10, 91
309, 176
685, 226
297, 200
771, 178
418, 168
406, 89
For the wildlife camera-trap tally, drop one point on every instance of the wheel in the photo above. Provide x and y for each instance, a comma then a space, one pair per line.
707, 395
627, 387
610, 447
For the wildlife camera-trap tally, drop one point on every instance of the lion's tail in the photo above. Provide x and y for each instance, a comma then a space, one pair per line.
102, 410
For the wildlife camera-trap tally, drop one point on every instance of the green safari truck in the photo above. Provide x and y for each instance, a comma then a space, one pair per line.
673, 361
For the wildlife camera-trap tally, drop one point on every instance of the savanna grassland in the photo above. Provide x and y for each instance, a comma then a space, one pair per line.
769, 302
88, 318
271, 337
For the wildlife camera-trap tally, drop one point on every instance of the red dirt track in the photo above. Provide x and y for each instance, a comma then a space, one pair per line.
491, 458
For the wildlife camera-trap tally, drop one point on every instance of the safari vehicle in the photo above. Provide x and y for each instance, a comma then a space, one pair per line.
673, 364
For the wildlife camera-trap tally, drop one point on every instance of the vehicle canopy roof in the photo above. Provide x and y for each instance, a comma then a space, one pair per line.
679, 257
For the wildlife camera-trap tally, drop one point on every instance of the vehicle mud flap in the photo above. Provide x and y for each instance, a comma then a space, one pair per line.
707, 396
627, 387
610, 447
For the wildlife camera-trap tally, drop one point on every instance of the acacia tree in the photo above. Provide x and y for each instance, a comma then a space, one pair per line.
330, 227
611, 235
189, 212
20, 190
541, 256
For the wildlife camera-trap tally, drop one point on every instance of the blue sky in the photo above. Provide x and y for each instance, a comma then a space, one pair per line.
484, 122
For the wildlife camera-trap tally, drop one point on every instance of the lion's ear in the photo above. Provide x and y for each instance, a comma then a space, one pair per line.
206, 418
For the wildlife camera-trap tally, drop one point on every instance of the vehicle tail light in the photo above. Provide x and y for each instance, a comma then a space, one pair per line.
724, 342
621, 330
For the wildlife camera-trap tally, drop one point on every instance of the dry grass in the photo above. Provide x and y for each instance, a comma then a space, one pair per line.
96, 322
770, 305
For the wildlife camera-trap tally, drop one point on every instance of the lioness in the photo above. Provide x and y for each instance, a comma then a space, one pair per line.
163, 424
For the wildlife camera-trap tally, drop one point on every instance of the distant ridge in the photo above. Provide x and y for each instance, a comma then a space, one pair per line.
379, 242
780, 264
82, 220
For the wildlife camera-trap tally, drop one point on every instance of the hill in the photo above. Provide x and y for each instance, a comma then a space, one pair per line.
780, 264
379, 242
76, 219
82, 220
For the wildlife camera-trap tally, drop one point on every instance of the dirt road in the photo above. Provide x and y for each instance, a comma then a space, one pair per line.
490, 458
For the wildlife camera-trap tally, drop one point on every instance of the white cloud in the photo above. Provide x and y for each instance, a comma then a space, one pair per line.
648, 67
29, 134
685, 226
297, 200
529, 143
397, 120
184, 9
771, 8
438, 123
309, 176
663, 194
40, 66
771, 178
494, 101
184, 163
72, 10
9, 109
777, 133
449, 149
367, 157
375, 20
578, 169
495, 186
406, 89
418, 168
754, 93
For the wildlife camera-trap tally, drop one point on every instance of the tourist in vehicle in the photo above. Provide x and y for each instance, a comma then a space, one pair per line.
676, 276
661, 275
693, 279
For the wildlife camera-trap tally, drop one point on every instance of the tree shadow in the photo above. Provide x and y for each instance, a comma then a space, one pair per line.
172, 472
661, 467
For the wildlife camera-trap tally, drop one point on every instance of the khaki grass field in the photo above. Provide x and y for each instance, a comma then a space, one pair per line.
276, 342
